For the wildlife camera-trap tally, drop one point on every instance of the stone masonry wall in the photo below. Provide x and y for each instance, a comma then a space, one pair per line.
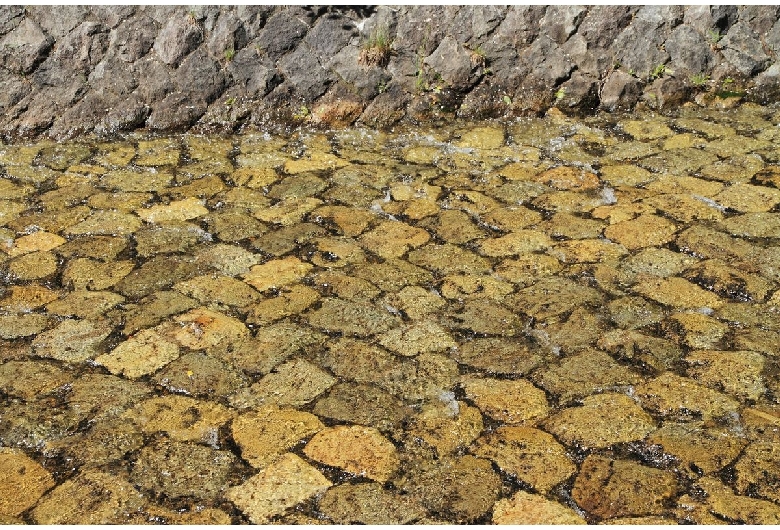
72, 70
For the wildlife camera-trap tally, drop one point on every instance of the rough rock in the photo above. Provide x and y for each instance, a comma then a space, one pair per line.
182, 469
448, 425
601, 421
699, 448
25, 481
293, 383
511, 402
673, 396
464, 486
617, 488
359, 450
143, 353
177, 38
281, 485
370, 504
581, 375
182, 418
109, 497
268, 432
72, 340
527, 509
531, 455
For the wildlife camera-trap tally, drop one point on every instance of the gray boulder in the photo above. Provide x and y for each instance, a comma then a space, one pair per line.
177, 112
367, 81
387, 108
111, 16
113, 76
200, 76
689, 51
620, 91
228, 36
10, 17
601, 26
58, 21
420, 29
742, 48
177, 38
134, 38
453, 62
77, 53
665, 92
759, 17
473, 25
640, 46
154, 79
128, 114
24, 48
305, 74
560, 22
329, 35
580, 93
12, 89
281, 33
767, 86
252, 75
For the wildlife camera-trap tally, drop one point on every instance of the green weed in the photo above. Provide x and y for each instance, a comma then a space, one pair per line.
478, 57
714, 35
659, 71
377, 49
700, 79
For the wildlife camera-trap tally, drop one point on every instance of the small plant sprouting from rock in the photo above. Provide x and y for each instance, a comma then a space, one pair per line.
560, 94
229, 101
660, 71
714, 35
478, 57
419, 83
229, 54
700, 80
376, 50
302, 114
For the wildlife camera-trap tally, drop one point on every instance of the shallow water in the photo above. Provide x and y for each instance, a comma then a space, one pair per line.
550, 320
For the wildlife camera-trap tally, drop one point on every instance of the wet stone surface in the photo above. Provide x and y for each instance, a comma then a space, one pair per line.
554, 321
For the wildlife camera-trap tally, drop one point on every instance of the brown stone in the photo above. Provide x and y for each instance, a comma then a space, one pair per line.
677, 292
24, 482
279, 486
645, 231
182, 418
268, 432
601, 421
448, 426
508, 401
568, 178
698, 447
531, 455
527, 509
356, 449
616, 488
674, 397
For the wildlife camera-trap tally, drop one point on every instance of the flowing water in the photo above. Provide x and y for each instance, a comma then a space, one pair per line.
551, 320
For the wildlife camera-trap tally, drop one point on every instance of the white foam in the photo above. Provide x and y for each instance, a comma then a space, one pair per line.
608, 195
710, 202
448, 398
